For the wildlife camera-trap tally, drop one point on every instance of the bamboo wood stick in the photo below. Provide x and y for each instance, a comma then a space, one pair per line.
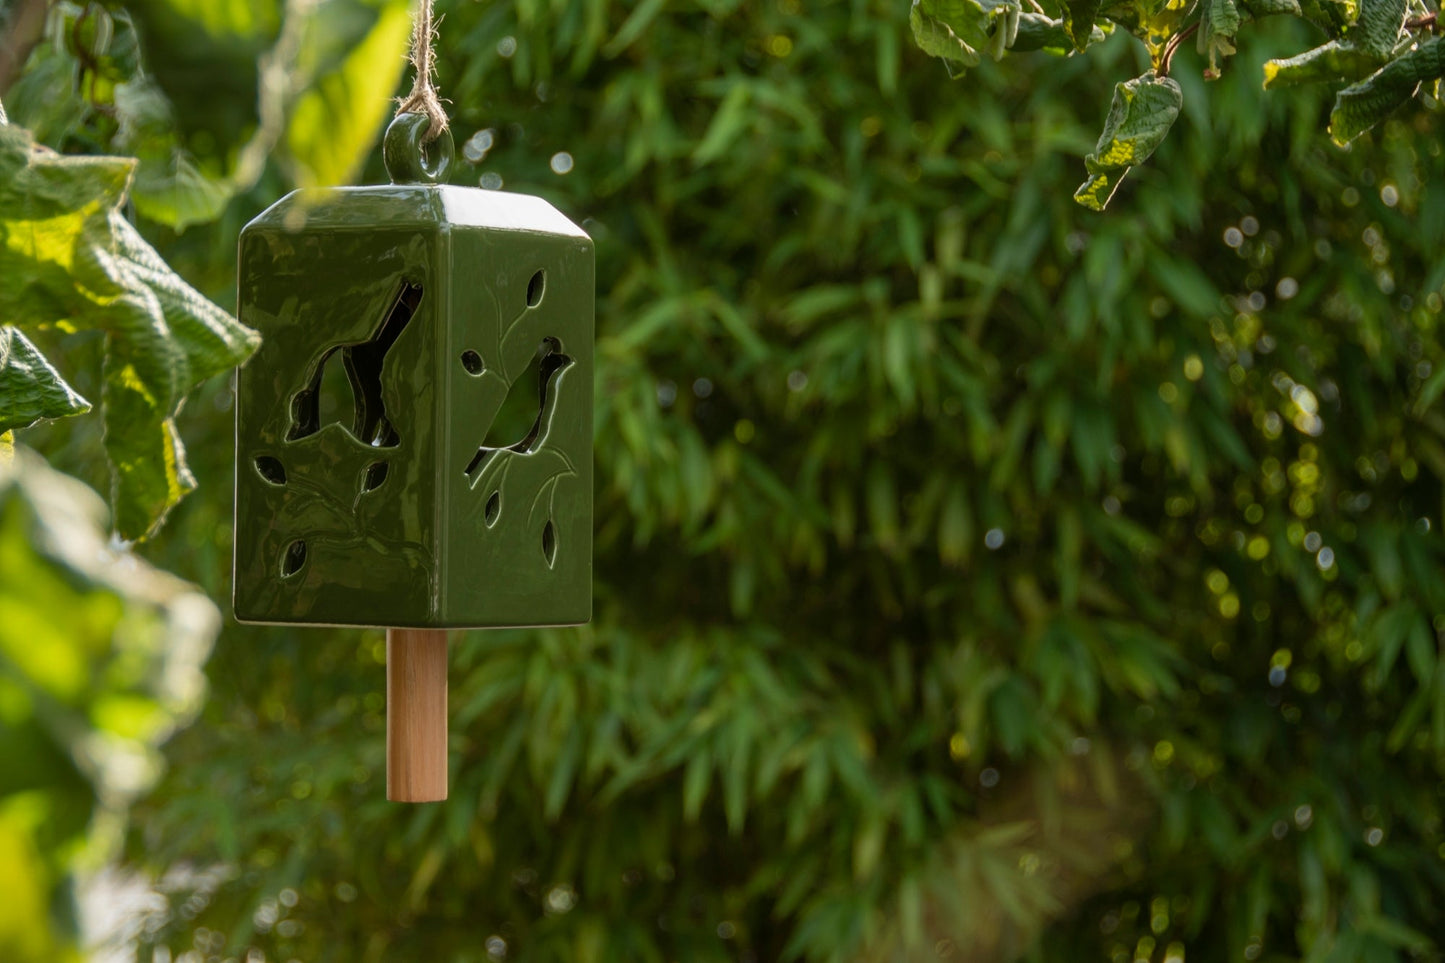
416, 715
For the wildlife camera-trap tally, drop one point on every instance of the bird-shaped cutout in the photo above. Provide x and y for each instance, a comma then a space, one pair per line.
551, 362
363, 362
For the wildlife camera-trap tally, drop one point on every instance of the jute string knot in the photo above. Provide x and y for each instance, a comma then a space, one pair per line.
423, 98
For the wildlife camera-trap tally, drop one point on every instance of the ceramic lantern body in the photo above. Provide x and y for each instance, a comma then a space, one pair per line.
375, 483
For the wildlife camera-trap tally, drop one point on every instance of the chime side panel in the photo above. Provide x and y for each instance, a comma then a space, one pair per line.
336, 436
518, 470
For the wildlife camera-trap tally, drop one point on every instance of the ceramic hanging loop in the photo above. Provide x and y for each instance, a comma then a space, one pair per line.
409, 158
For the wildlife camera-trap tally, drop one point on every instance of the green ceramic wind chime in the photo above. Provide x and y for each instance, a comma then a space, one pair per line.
391, 506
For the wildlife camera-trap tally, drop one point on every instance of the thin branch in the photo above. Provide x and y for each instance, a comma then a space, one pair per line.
1422, 23
1173, 45
26, 27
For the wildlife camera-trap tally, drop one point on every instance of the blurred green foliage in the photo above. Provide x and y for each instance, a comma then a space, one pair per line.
976, 576
100, 659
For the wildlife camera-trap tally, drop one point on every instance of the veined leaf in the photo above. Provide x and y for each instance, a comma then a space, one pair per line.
1039, 32
1366, 45
1329, 61
1332, 16
30, 389
1218, 23
1152, 21
959, 31
88, 269
1142, 112
1362, 106
1378, 27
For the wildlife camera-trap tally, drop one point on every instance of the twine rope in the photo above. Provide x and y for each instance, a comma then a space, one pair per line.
423, 98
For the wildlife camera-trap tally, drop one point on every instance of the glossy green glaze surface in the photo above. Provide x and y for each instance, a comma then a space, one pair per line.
370, 486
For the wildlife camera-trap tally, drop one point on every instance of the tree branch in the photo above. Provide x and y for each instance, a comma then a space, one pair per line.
1173, 45
26, 27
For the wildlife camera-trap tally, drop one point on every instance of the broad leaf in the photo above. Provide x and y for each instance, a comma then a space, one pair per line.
1365, 47
1332, 16
1362, 106
1378, 28
86, 268
1152, 21
30, 389
1038, 32
1142, 112
960, 31
1327, 62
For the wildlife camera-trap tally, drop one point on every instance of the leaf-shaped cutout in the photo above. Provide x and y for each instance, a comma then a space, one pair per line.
549, 543
270, 468
536, 287
493, 508
293, 558
374, 477
1142, 112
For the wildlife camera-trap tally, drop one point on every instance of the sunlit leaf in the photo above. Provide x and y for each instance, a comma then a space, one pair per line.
30, 389
1142, 112
1363, 105
88, 269
337, 120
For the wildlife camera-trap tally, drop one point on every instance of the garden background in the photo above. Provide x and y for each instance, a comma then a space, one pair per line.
978, 577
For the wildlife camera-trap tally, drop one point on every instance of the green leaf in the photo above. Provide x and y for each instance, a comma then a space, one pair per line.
1079, 17
1332, 16
1142, 112
1153, 21
1218, 23
1366, 45
88, 268
958, 31
30, 389
1331, 61
334, 124
1378, 27
1363, 105
1259, 9
1039, 32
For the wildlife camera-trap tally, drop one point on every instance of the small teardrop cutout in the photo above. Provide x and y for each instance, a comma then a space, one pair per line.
271, 469
494, 508
294, 558
549, 543
375, 475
